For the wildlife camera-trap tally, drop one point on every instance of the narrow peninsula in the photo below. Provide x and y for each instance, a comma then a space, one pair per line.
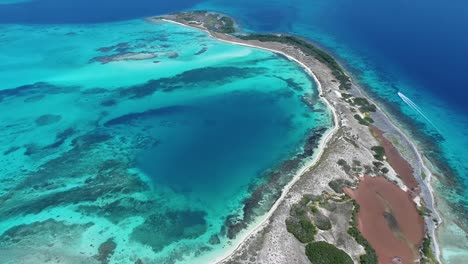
363, 197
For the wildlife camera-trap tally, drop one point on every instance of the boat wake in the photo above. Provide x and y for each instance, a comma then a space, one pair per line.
416, 108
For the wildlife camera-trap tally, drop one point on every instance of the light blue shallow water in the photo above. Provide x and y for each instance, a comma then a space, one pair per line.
153, 155
417, 48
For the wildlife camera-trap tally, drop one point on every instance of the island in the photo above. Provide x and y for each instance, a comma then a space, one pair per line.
365, 197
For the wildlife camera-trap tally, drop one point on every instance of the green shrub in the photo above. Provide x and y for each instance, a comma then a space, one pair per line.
323, 253
364, 105
370, 257
346, 95
344, 165
379, 152
428, 256
301, 228
227, 25
337, 185
322, 222
364, 121
314, 209
424, 211
299, 223
306, 198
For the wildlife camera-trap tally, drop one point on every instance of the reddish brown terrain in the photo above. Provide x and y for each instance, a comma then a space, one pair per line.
389, 220
398, 163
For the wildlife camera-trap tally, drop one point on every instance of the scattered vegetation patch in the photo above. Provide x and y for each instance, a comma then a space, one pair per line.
337, 185
428, 256
314, 209
365, 121
308, 49
211, 20
367, 169
302, 228
423, 175
371, 256
346, 96
323, 253
227, 25
379, 152
299, 223
344, 165
322, 222
363, 104
377, 164
424, 211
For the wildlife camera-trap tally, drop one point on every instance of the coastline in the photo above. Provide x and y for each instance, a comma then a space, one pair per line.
321, 148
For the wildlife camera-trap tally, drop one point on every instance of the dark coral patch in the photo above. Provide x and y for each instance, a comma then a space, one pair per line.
11, 150
124, 56
190, 79
109, 181
292, 83
105, 251
201, 51
60, 138
39, 232
119, 47
119, 210
94, 91
48, 119
161, 229
39, 88
109, 102
74, 163
132, 117
173, 55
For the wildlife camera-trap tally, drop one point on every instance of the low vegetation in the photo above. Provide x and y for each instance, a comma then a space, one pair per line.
379, 152
227, 25
337, 185
213, 21
365, 121
424, 211
299, 223
428, 256
344, 165
323, 253
308, 49
371, 256
322, 222
363, 105
301, 228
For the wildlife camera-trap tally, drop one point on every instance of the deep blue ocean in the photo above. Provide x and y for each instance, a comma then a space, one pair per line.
418, 48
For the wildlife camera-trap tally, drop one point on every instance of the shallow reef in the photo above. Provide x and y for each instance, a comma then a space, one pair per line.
141, 161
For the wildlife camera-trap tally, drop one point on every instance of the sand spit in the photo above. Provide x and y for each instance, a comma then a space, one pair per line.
389, 220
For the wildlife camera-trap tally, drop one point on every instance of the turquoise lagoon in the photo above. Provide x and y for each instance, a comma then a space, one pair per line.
160, 159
